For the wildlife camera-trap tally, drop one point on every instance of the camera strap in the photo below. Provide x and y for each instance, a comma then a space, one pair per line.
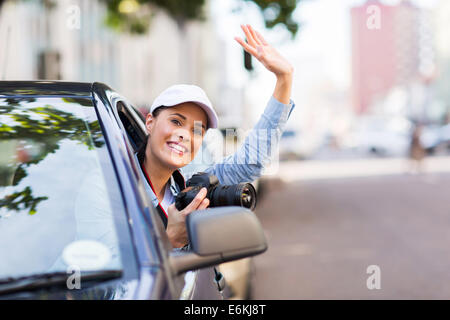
179, 180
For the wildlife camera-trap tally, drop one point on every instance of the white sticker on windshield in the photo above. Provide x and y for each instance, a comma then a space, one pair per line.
87, 255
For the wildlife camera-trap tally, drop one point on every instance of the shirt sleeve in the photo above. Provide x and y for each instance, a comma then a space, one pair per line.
246, 164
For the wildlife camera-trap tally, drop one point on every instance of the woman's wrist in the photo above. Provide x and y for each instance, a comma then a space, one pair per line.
285, 77
172, 235
283, 87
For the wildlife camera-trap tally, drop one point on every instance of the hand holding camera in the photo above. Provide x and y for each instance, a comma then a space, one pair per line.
204, 190
242, 194
176, 219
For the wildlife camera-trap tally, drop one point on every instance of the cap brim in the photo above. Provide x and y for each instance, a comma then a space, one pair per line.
212, 116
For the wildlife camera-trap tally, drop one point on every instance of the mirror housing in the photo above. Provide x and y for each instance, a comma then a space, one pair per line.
218, 235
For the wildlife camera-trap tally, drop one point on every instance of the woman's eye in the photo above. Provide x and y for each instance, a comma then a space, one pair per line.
176, 122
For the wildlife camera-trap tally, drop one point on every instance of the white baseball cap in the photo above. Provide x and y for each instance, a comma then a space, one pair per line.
180, 93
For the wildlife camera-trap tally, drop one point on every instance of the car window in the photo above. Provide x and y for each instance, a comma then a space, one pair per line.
55, 209
133, 124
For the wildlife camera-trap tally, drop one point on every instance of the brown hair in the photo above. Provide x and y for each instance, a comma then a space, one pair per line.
141, 150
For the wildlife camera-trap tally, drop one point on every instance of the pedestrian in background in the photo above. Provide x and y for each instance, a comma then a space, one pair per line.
416, 151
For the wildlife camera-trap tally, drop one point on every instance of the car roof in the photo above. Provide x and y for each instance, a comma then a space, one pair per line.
45, 88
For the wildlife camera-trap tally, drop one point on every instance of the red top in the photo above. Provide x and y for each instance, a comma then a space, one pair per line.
151, 186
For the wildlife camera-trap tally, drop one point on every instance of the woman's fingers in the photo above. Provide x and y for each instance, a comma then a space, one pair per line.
246, 47
254, 36
255, 41
204, 204
261, 38
249, 36
196, 202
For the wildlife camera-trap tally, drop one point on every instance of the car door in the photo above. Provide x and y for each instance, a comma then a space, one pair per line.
134, 125
198, 284
155, 274
127, 119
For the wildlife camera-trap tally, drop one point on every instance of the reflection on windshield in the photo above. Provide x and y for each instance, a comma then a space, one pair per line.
53, 197
34, 132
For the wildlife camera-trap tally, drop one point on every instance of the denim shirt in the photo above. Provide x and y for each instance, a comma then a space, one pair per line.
248, 162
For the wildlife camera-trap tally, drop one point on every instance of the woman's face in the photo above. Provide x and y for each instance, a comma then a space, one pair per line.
176, 134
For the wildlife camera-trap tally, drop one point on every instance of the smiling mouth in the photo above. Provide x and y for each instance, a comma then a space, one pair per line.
177, 148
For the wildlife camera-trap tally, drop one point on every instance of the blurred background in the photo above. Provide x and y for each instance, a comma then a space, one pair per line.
364, 174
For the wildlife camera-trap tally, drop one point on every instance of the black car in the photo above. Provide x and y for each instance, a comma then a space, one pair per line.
75, 220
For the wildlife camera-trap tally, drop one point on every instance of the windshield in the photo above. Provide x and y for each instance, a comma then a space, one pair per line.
55, 210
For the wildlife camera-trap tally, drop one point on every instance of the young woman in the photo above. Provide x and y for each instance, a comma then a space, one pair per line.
177, 122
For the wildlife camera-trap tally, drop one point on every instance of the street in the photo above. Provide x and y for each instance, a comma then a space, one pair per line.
324, 231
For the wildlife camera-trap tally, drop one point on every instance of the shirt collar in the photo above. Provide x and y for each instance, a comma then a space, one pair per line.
174, 188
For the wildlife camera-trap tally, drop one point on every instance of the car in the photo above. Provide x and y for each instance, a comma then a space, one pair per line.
445, 135
382, 136
75, 219
291, 145
430, 138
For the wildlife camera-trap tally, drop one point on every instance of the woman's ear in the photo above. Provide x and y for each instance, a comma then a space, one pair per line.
149, 122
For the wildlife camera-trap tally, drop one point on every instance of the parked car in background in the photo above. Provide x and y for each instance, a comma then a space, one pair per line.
431, 138
73, 206
445, 136
382, 136
290, 145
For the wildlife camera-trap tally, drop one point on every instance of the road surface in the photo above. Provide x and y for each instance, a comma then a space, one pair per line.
326, 225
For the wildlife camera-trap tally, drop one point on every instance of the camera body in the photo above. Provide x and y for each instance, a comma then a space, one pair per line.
242, 194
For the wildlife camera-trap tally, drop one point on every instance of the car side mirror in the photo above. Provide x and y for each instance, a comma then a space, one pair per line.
218, 235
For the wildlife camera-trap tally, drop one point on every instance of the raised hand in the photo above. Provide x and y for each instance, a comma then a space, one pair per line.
258, 47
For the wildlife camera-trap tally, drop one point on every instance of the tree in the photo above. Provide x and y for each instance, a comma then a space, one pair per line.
46, 126
134, 15
278, 12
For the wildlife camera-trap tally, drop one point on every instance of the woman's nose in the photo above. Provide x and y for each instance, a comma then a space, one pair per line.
183, 136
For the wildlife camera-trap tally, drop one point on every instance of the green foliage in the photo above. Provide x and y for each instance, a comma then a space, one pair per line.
22, 200
122, 21
275, 12
46, 126
278, 12
134, 16
182, 9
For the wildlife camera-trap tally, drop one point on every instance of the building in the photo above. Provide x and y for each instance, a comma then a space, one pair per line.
441, 25
391, 47
68, 40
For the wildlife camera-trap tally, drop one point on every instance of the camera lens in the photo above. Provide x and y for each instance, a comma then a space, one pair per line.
242, 194
247, 196
248, 199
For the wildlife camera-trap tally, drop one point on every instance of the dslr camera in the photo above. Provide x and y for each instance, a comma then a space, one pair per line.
242, 194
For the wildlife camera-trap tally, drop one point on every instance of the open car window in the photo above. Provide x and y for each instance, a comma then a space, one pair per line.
134, 124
